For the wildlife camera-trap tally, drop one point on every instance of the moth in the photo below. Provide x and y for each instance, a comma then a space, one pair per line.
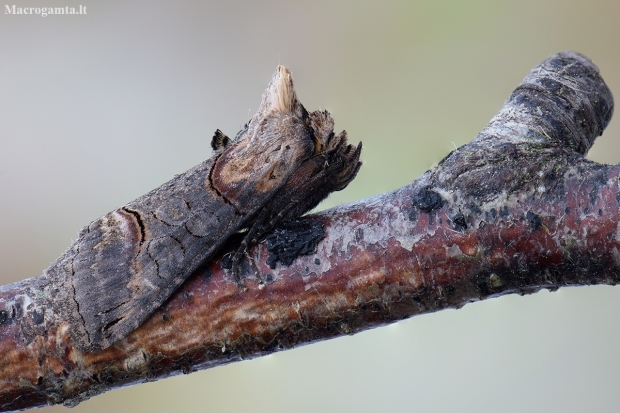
124, 265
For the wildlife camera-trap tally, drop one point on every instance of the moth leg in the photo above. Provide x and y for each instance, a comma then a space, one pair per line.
263, 224
248, 240
254, 267
274, 221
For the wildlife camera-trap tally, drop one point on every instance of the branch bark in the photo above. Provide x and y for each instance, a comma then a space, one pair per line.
516, 210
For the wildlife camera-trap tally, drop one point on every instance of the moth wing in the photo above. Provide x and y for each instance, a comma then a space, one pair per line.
127, 263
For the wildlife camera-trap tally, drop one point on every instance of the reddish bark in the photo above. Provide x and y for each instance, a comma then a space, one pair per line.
516, 210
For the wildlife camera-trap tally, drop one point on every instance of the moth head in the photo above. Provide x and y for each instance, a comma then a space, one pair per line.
286, 150
270, 147
279, 115
280, 112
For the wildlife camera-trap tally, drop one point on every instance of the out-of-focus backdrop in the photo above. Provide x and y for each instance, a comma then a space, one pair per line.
97, 109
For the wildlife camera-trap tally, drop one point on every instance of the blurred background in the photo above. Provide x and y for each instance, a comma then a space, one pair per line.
97, 109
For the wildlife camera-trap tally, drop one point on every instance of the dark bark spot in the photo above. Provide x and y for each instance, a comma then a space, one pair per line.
295, 238
599, 180
533, 220
4, 315
427, 200
37, 317
359, 235
474, 208
459, 222
504, 212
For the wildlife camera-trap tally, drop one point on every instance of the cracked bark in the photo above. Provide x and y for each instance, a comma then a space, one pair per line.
516, 210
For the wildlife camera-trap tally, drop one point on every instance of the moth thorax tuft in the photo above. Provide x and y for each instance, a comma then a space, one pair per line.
282, 93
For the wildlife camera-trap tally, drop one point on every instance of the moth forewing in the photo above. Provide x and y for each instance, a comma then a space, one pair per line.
247, 169
127, 263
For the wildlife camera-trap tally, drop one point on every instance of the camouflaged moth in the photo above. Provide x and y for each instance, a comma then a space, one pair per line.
125, 264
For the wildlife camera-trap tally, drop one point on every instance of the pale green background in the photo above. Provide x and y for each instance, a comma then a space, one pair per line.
98, 109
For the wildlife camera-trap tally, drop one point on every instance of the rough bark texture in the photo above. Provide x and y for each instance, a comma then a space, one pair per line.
516, 210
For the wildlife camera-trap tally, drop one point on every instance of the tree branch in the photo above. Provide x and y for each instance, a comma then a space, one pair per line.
516, 210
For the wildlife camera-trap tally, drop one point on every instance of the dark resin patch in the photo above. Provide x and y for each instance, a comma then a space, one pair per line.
37, 317
459, 222
4, 315
533, 219
295, 238
359, 235
426, 200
